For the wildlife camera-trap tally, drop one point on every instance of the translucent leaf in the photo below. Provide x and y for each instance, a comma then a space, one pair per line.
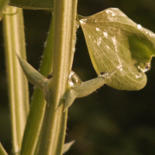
116, 43
32, 4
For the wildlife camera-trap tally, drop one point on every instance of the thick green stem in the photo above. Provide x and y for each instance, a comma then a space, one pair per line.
2, 150
18, 88
35, 117
54, 124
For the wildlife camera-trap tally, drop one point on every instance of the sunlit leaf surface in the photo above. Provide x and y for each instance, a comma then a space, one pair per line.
117, 44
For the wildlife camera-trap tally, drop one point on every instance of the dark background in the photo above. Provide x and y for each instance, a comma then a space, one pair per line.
108, 122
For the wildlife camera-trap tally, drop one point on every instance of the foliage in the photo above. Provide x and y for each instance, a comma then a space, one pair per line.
137, 39
117, 44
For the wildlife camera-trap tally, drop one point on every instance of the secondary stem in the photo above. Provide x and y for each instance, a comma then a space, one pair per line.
18, 88
54, 125
35, 117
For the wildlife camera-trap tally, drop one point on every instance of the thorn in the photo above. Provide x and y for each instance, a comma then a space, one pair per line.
32, 74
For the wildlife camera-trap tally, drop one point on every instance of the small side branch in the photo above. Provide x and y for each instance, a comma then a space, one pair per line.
84, 89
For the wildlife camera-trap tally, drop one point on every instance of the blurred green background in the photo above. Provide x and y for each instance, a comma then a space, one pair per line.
108, 122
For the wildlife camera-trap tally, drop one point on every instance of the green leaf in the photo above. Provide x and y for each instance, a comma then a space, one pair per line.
116, 43
32, 4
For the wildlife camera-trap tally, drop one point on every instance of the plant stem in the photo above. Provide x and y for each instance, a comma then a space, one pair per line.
54, 124
18, 88
2, 150
35, 117
3, 3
